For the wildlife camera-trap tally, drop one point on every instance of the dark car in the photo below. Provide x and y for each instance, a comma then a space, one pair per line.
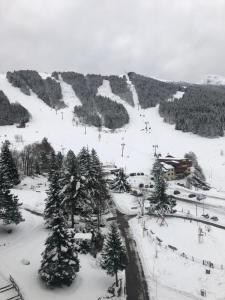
206, 216
191, 195
176, 192
214, 218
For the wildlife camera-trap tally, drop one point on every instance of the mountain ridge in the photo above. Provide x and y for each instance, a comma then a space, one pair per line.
200, 109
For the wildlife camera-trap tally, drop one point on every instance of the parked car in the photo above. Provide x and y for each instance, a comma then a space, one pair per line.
176, 192
138, 174
132, 174
146, 186
206, 216
214, 218
206, 188
142, 174
200, 197
191, 195
180, 184
151, 186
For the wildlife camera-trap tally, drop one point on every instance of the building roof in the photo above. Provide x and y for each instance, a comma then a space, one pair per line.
83, 236
166, 166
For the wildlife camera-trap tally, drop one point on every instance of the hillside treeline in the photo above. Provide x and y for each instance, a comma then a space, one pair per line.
201, 111
151, 91
97, 110
49, 90
11, 113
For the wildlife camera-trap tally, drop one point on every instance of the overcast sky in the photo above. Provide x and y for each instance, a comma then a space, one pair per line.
169, 39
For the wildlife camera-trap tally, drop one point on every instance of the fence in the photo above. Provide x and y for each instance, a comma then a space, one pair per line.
16, 287
153, 238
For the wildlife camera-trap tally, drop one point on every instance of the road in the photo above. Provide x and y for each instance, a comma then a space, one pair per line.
136, 286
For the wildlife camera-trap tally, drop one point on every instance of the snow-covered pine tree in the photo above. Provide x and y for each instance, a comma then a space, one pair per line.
161, 202
53, 199
114, 258
120, 183
156, 169
99, 192
59, 159
84, 161
9, 205
197, 177
72, 192
8, 165
60, 262
53, 166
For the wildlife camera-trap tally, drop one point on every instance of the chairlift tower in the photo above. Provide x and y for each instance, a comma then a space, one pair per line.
155, 147
122, 150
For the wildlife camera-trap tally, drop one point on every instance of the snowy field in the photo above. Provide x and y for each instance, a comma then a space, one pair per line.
171, 276
26, 242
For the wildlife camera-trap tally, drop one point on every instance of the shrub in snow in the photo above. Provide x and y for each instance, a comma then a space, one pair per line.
25, 262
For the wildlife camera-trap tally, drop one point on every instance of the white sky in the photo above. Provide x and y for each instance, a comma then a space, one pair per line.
170, 39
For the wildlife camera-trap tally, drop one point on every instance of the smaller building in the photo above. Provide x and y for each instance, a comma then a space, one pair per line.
169, 171
175, 168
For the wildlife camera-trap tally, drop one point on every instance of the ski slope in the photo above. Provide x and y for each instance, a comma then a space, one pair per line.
64, 134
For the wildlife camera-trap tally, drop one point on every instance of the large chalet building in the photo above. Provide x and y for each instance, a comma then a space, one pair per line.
175, 168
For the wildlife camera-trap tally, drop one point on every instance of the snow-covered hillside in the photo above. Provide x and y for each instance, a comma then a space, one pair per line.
214, 80
145, 129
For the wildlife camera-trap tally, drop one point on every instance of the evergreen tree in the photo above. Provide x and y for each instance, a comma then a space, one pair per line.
59, 260
156, 169
53, 199
8, 165
161, 202
197, 177
37, 168
114, 256
52, 166
59, 159
72, 192
99, 193
84, 162
120, 183
9, 205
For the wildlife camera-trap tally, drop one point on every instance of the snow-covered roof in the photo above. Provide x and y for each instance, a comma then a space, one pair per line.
166, 166
83, 236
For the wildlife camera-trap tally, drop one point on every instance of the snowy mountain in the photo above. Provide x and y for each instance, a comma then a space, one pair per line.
150, 105
145, 128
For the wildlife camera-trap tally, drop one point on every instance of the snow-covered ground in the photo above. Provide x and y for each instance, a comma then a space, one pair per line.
138, 151
26, 242
169, 275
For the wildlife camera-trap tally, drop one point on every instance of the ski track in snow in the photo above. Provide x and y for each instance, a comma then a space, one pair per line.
138, 151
